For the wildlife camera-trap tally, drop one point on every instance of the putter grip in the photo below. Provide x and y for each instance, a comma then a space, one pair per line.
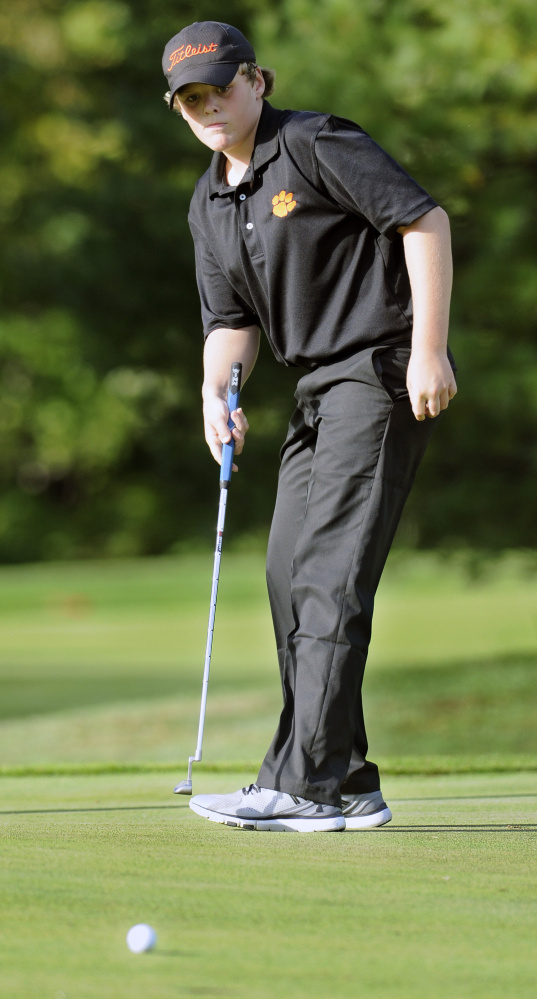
233, 394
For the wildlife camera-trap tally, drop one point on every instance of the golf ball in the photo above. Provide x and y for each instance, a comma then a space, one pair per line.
141, 938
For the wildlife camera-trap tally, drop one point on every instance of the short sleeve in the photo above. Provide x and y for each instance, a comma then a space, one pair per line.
365, 180
221, 305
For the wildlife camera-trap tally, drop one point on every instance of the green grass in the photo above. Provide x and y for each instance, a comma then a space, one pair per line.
100, 674
102, 662
441, 903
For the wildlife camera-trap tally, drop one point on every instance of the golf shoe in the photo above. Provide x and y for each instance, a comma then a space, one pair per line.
365, 811
260, 808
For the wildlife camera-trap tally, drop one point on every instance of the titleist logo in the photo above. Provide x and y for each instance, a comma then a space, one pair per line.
190, 50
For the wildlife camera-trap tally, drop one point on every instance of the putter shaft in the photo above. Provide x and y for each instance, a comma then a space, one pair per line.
185, 787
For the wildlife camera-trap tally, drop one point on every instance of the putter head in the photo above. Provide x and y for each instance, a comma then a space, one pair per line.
185, 787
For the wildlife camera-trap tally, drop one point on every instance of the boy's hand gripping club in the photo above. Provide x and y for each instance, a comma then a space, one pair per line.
185, 787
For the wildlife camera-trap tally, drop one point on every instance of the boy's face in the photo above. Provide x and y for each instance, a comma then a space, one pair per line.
224, 118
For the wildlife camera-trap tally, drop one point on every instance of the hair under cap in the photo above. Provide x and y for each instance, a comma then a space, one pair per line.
205, 52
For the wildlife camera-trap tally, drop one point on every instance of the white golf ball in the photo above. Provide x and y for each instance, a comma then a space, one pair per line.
141, 938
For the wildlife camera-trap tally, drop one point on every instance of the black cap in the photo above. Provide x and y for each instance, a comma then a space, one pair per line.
205, 52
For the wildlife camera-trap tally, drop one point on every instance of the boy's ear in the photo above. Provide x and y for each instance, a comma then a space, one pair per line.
259, 83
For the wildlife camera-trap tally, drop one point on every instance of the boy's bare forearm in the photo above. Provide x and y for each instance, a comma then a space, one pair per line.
222, 347
427, 243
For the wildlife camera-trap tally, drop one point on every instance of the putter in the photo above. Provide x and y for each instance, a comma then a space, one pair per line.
185, 787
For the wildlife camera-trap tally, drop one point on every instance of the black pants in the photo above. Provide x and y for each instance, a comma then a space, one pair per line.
348, 463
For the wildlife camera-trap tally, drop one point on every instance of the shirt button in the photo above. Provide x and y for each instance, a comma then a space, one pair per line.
249, 225
242, 197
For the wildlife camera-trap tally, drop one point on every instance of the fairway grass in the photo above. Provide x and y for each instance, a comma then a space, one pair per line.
440, 903
102, 662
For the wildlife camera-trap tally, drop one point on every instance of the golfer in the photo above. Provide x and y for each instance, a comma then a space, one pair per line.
305, 228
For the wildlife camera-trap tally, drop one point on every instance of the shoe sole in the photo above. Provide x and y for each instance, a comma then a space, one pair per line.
371, 821
281, 824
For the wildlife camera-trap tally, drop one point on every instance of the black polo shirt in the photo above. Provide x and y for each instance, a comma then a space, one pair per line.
306, 246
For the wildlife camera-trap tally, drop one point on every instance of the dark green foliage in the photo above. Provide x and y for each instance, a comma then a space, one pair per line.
100, 348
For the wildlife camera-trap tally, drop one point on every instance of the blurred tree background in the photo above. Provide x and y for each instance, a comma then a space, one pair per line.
101, 449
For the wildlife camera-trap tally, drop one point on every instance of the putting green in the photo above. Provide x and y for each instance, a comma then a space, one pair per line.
440, 903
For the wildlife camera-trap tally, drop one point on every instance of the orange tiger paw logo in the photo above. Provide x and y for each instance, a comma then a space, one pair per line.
282, 204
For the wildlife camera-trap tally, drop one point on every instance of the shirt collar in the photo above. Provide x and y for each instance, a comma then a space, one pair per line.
267, 144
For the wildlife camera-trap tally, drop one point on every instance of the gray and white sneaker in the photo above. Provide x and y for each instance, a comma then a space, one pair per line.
365, 811
275, 811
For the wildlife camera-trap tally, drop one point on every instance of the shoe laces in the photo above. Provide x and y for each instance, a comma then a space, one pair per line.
252, 789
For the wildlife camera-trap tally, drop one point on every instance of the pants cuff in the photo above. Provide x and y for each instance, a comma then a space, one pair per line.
311, 792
